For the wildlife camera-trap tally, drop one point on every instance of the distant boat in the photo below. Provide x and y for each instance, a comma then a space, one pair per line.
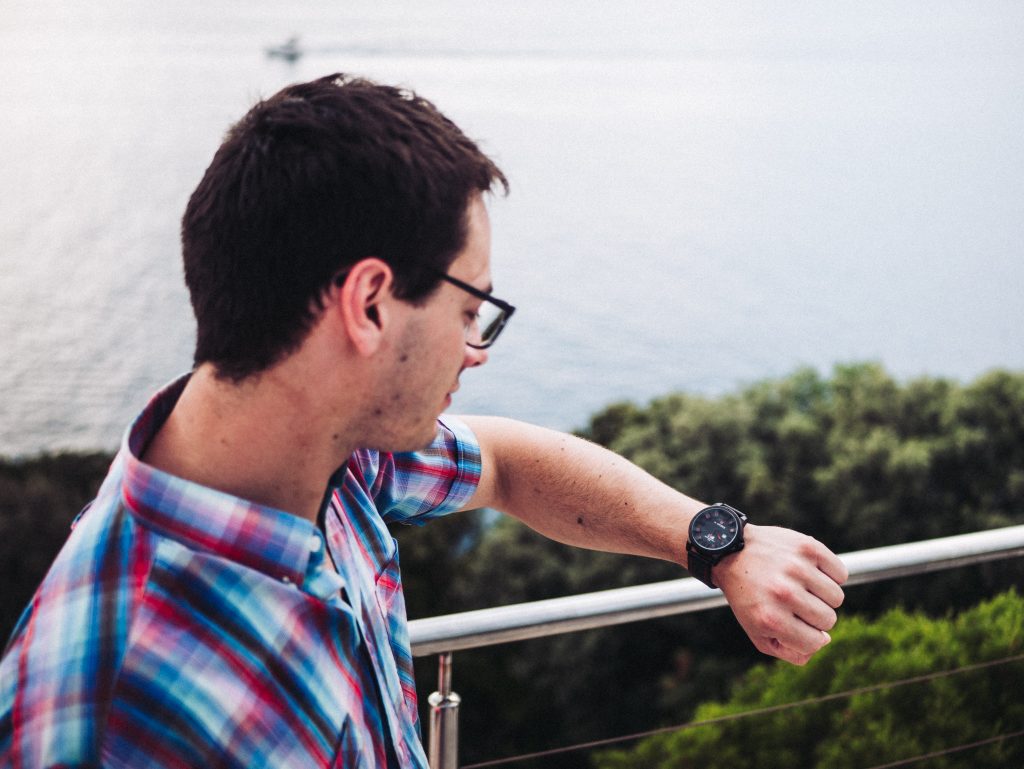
289, 50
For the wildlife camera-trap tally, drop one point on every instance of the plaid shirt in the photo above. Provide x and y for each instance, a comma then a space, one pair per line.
184, 627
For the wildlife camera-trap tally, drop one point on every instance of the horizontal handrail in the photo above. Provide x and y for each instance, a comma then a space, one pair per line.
519, 622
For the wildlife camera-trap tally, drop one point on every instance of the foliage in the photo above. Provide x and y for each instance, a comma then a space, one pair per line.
878, 724
857, 461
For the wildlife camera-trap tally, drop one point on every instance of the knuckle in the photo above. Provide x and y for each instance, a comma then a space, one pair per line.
809, 547
768, 621
795, 571
782, 592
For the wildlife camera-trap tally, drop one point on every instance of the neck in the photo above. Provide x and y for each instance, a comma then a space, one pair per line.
263, 440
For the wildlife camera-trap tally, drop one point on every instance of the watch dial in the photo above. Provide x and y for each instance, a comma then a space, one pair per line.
714, 528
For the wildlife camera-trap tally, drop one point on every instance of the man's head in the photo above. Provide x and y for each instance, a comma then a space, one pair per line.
311, 181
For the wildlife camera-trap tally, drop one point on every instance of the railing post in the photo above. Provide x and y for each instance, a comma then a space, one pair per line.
443, 751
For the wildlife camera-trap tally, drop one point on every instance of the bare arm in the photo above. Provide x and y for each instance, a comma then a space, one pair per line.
783, 586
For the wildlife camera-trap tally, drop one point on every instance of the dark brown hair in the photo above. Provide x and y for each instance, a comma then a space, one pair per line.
310, 181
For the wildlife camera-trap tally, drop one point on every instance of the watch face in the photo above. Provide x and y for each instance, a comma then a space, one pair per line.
714, 528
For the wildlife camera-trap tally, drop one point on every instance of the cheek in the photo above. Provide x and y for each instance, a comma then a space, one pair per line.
455, 339
440, 345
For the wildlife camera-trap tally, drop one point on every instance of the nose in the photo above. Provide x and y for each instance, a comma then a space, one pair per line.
474, 357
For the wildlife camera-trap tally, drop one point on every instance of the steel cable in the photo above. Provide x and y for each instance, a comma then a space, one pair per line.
775, 709
947, 751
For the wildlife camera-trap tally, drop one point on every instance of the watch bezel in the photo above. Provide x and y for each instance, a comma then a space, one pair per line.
737, 518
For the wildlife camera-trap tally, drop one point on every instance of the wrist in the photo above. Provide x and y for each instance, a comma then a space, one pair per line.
733, 564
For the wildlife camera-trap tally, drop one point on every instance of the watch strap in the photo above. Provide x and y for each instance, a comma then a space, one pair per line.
699, 565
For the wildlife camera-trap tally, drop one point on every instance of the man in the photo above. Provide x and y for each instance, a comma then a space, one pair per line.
232, 596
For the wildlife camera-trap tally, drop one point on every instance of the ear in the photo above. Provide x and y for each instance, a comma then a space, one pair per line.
362, 302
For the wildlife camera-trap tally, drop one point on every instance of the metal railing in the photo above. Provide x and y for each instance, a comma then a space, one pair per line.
518, 622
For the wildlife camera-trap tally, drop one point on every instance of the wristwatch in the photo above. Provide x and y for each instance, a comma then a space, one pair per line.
715, 532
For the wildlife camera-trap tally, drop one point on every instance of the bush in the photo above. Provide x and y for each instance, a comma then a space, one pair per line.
877, 724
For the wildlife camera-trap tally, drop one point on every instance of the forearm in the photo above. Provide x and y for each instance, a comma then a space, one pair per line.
783, 586
579, 493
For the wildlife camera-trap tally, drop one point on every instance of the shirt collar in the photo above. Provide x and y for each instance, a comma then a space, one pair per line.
279, 544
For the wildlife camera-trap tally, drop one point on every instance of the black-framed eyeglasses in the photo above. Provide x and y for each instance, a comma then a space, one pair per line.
490, 318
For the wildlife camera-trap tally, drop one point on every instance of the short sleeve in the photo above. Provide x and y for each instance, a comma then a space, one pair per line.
416, 486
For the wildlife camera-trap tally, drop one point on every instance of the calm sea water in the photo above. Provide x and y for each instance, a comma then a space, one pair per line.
702, 196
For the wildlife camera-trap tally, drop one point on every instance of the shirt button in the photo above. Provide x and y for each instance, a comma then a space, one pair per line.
314, 544
286, 579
